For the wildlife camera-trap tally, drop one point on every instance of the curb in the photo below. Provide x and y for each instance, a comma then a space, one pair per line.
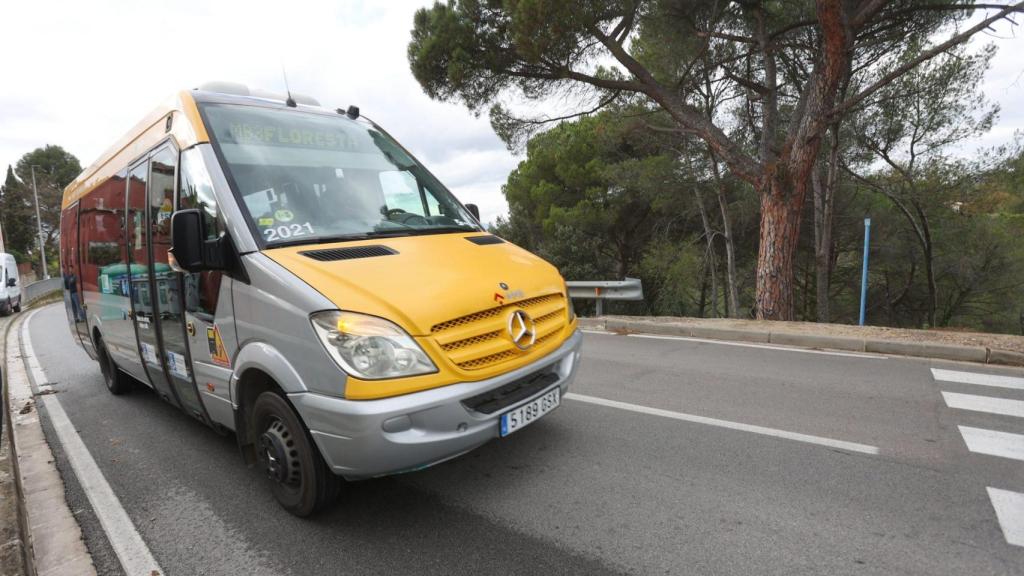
14, 562
977, 354
54, 543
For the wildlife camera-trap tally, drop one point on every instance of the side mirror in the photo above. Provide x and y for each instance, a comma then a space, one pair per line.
190, 249
11, 282
474, 210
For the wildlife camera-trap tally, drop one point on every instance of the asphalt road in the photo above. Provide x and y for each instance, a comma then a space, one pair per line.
593, 489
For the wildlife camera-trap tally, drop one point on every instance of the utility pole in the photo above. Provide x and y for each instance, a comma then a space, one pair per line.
864, 270
39, 229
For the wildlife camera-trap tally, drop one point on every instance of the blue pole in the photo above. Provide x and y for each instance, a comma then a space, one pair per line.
864, 270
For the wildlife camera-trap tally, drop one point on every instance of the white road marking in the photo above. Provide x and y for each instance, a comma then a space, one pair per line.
1009, 507
124, 538
993, 442
978, 378
988, 404
765, 346
819, 440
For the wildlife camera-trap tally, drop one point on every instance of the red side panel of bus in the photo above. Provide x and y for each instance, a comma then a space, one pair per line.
102, 255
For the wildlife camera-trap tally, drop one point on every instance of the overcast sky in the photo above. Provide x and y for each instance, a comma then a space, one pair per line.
80, 73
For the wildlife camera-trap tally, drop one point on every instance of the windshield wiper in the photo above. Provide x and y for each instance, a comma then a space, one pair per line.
443, 230
342, 237
394, 233
319, 239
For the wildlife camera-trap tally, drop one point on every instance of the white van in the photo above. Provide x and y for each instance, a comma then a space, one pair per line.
10, 287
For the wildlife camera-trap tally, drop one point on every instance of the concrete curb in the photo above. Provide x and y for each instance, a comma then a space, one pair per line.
54, 544
978, 354
16, 559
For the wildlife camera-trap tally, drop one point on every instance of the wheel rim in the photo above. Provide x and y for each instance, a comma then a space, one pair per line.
279, 455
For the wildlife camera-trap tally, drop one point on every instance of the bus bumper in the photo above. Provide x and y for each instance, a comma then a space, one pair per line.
367, 438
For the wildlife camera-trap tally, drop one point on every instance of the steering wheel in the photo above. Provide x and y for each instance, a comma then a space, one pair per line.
403, 217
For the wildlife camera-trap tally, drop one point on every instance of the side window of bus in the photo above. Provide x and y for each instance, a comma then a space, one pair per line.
195, 190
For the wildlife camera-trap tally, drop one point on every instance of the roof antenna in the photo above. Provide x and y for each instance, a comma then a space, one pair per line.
290, 102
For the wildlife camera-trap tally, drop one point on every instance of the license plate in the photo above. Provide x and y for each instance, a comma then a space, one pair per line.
530, 412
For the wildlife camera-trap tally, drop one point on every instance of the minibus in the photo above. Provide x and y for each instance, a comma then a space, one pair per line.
291, 273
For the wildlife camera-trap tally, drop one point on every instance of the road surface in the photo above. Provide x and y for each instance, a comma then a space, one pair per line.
671, 456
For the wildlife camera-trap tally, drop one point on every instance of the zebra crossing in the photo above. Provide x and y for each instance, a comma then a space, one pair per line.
1008, 504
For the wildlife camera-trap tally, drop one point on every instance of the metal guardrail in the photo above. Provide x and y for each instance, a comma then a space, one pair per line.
601, 290
40, 288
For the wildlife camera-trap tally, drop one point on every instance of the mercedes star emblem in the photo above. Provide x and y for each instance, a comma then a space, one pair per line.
521, 329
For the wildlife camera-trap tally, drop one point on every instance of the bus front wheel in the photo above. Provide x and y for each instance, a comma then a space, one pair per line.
300, 479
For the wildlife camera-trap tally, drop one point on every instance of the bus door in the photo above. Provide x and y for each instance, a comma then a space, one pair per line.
155, 287
144, 313
167, 284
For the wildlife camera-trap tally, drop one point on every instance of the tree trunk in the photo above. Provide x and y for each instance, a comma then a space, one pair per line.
781, 211
709, 255
824, 202
732, 299
621, 267
821, 253
703, 302
929, 264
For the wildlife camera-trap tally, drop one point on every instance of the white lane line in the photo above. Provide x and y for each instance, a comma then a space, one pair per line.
819, 440
988, 404
993, 443
124, 538
1009, 507
765, 346
977, 378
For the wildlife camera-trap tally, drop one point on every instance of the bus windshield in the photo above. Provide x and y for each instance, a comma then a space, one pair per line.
305, 177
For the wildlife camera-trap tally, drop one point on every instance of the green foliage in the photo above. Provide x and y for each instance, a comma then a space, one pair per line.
55, 168
596, 178
672, 279
473, 49
603, 197
17, 217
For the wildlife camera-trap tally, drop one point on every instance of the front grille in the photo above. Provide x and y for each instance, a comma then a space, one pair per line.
494, 400
485, 361
491, 312
481, 339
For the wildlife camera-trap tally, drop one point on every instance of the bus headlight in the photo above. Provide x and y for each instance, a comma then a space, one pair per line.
369, 347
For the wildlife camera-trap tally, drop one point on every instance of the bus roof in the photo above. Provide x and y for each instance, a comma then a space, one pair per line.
186, 128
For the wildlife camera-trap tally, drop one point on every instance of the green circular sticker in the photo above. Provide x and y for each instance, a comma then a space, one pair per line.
284, 216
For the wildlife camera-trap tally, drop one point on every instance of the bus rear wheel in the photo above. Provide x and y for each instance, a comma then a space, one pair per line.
300, 479
117, 382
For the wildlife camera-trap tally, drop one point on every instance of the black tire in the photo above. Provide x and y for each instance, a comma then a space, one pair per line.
300, 479
117, 381
17, 307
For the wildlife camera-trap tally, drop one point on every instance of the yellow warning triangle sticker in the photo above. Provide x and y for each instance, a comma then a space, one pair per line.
218, 354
